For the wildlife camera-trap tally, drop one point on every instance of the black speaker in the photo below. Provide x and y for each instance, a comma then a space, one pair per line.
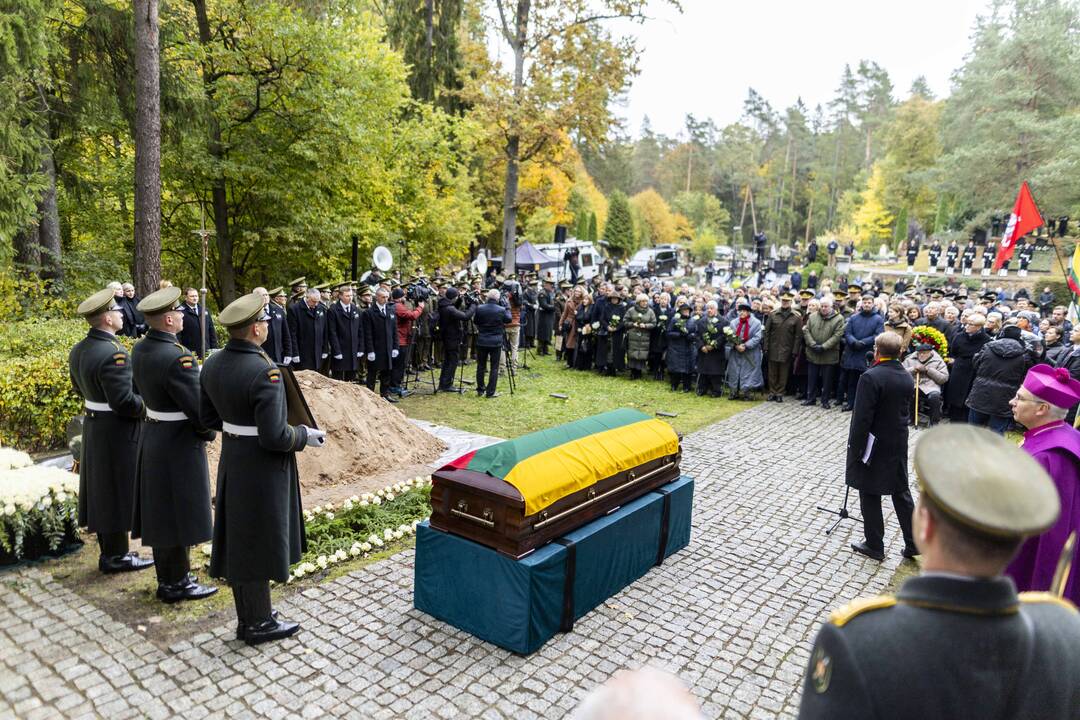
560, 234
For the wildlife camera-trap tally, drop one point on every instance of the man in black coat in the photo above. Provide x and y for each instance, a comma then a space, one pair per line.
451, 318
491, 318
877, 449
172, 482
101, 374
545, 321
278, 343
189, 335
307, 323
381, 341
258, 522
347, 340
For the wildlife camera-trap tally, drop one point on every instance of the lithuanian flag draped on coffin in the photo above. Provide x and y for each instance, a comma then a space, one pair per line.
548, 465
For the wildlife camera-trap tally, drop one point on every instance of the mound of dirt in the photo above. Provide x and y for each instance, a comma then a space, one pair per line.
365, 435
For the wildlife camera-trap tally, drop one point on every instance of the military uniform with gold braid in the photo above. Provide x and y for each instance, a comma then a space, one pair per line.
101, 373
259, 524
172, 484
950, 644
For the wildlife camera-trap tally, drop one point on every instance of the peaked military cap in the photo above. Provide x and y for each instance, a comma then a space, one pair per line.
277, 292
840, 294
984, 482
787, 296
97, 303
565, 284
806, 294
160, 301
323, 287
302, 280
347, 285
243, 311
365, 290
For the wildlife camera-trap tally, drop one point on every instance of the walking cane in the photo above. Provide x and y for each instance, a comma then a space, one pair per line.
1061, 574
915, 420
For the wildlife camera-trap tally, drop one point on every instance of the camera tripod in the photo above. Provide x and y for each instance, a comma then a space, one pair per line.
508, 360
412, 376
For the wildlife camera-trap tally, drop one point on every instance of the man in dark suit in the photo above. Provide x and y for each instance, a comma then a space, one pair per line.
491, 318
877, 448
347, 343
957, 641
278, 343
307, 323
381, 338
189, 336
451, 318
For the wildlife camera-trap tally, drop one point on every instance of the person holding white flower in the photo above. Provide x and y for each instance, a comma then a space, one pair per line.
101, 374
172, 486
259, 525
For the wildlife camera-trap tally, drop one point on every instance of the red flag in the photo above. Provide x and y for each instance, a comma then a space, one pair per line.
1025, 218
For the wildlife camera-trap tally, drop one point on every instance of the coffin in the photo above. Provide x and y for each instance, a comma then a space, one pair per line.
518, 495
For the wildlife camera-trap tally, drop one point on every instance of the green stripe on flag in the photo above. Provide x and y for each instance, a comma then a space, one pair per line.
499, 459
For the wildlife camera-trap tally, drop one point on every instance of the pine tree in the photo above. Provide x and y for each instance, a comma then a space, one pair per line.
619, 232
591, 233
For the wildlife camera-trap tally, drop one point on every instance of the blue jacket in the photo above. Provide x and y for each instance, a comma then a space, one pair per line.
490, 319
859, 334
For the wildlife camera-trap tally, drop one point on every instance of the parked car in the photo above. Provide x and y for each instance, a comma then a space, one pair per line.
590, 259
659, 260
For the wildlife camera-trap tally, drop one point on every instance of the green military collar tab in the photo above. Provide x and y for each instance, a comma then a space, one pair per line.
97, 303
984, 482
160, 301
243, 311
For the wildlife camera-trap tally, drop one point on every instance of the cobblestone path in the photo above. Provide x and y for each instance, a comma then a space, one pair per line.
733, 615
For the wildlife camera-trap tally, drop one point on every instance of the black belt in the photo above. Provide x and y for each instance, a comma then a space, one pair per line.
566, 623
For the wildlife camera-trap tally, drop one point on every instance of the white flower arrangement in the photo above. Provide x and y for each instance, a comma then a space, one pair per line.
12, 459
38, 506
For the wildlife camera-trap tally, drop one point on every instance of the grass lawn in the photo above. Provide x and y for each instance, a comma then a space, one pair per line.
531, 408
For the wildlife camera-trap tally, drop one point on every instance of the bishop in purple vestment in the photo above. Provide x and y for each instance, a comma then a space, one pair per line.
1040, 405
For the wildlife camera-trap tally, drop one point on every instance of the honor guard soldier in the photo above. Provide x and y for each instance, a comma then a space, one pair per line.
957, 641
934, 256
968, 258
912, 254
988, 257
101, 373
951, 253
1024, 251
172, 482
259, 524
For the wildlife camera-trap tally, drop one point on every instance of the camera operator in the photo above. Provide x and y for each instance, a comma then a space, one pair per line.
491, 319
405, 319
454, 310
511, 298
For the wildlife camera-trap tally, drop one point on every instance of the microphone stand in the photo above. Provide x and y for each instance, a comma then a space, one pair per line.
841, 513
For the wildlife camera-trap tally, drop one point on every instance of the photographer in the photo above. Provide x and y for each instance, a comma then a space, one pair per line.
405, 320
490, 319
451, 319
511, 298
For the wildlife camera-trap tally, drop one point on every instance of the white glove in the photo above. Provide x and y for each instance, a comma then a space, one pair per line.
315, 438
393, 353
325, 355
371, 357
359, 354
296, 359
336, 357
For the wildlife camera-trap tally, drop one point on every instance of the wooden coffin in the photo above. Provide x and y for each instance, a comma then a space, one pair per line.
484, 507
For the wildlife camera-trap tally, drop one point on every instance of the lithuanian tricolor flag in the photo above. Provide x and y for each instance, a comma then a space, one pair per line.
1073, 276
548, 465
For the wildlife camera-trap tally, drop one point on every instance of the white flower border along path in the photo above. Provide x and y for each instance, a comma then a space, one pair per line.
362, 527
39, 508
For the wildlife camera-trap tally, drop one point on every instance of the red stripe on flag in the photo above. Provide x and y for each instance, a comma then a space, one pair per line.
461, 463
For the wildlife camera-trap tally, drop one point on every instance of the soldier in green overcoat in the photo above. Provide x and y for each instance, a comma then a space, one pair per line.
172, 485
101, 373
259, 525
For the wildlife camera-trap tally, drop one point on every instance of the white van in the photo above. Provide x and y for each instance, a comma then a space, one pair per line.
590, 259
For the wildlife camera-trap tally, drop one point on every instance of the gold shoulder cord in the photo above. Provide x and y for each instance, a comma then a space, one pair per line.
843, 615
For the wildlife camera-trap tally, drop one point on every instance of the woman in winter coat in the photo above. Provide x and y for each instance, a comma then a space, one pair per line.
999, 369
610, 334
569, 327
898, 323
962, 350
658, 339
1053, 346
639, 323
680, 348
710, 351
582, 354
744, 354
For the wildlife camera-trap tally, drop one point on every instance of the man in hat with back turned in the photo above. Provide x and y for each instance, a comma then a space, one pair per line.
259, 524
1040, 405
101, 373
172, 482
957, 641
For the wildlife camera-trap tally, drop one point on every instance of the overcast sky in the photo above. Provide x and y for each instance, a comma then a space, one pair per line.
703, 60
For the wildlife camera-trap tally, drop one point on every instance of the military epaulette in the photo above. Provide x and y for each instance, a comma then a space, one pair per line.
1048, 598
843, 615
268, 360
274, 375
119, 358
186, 361
118, 346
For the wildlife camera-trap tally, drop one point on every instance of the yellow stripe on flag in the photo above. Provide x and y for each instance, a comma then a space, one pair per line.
546, 477
1076, 261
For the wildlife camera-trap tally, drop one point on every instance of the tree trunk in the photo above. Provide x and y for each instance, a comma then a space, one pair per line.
48, 231
147, 273
27, 250
226, 273
513, 142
